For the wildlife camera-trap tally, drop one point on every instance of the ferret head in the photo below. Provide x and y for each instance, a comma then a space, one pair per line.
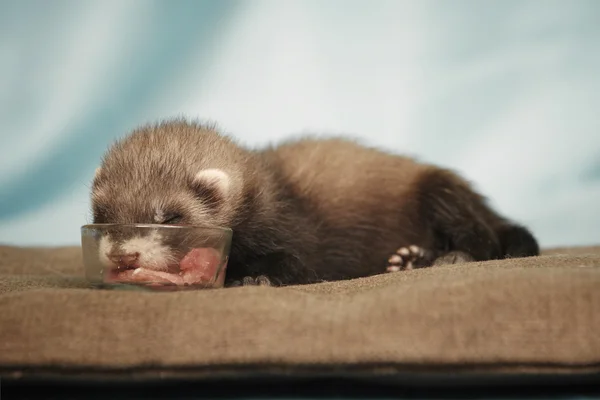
174, 172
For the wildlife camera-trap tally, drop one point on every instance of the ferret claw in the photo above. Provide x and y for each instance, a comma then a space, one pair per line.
405, 258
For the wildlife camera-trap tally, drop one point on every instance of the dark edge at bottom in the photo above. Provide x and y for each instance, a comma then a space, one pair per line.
325, 383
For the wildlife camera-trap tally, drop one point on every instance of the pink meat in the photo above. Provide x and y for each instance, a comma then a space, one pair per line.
197, 267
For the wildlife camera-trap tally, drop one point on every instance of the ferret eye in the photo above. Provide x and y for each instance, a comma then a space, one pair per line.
173, 219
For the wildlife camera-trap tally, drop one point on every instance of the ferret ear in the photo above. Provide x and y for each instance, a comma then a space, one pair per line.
211, 186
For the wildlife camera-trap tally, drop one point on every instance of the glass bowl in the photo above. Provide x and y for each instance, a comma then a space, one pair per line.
171, 257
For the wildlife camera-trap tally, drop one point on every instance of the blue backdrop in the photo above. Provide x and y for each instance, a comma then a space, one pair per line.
506, 92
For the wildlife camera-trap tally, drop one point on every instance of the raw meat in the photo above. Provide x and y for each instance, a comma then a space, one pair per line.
198, 267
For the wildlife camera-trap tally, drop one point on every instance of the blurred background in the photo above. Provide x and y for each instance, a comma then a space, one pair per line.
505, 92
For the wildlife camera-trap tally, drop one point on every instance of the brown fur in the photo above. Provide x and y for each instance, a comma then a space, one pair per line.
306, 210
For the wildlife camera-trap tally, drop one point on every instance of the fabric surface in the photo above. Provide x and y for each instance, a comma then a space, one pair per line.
533, 314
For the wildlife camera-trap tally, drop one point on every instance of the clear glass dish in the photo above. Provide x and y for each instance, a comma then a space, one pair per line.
165, 257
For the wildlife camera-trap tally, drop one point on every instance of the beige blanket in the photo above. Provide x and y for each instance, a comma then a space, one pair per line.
537, 314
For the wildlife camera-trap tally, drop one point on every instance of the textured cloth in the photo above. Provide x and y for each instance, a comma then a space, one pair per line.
540, 314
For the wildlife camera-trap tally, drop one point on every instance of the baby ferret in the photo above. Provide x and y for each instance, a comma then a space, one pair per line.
304, 211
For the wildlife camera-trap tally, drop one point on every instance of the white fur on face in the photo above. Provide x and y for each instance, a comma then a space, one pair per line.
105, 249
214, 177
159, 216
153, 254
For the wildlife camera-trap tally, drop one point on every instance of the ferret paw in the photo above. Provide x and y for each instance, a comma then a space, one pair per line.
260, 280
405, 258
453, 257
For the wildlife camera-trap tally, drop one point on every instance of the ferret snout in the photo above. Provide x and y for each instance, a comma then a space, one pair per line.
145, 250
127, 260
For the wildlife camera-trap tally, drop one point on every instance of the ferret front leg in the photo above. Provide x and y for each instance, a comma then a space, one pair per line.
273, 269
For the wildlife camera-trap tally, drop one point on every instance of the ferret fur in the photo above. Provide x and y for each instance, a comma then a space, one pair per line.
303, 211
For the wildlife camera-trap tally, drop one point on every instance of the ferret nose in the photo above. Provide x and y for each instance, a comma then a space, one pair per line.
124, 260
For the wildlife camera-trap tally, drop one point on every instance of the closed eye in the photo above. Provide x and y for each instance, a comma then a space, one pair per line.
173, 219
